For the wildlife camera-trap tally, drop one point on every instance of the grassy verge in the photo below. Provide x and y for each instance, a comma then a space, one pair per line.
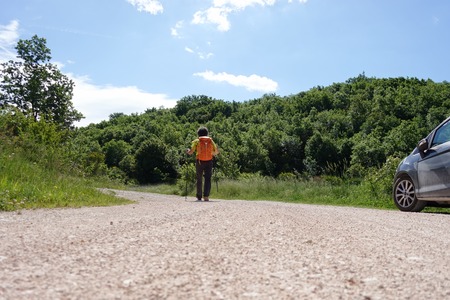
27, 185
316, 191
319, 192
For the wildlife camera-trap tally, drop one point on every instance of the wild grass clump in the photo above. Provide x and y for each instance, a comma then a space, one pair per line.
313, 191
27, 185
36, 172
325, 190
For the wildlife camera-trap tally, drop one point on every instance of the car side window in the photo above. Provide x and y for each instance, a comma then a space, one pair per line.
442, 135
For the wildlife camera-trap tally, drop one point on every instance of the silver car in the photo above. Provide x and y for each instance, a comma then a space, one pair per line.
423, 177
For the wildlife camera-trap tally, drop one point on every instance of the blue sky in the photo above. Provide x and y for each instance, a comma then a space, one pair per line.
130, 55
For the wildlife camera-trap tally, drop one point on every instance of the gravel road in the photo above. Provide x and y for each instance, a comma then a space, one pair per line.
163, 247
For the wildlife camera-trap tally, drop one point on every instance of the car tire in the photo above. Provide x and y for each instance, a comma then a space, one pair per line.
404, 195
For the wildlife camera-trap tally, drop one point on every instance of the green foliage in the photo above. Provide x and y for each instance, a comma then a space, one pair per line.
404, 137
271, 148
342, 130
328, 190
36, 87
368, 150
152, 163
28, 185
320, 151
345, 129
380, 180
115, 152
36, 169
186, 182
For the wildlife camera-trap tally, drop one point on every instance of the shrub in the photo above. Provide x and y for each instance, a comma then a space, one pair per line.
186, 182
381, 180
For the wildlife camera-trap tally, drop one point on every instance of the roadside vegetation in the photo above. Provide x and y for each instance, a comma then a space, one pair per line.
315, 191
337, 145
28, 185
373, 191
35, 173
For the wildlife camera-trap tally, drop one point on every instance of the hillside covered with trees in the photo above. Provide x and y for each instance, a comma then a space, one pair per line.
345, 130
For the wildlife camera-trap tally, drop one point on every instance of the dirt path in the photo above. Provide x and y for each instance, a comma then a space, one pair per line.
163, 247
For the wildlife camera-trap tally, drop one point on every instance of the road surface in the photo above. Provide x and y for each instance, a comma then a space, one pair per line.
163, 247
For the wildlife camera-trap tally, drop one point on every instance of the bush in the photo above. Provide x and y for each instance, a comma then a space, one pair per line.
187, 180
287, 176
381, 180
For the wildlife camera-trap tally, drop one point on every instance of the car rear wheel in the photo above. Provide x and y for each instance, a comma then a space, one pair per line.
405, 196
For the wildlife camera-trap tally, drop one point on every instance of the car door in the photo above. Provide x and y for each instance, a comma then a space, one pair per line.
433, 170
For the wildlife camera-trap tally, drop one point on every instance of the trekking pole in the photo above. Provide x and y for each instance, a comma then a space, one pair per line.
217, 184
186, 178
215, 173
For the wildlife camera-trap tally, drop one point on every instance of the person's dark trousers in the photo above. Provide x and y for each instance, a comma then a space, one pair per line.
203, 168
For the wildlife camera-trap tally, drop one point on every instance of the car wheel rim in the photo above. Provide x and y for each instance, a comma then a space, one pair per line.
404, 193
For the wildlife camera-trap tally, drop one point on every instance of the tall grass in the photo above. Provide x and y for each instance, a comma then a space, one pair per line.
27, 185
35, 170
322, 191
365, 192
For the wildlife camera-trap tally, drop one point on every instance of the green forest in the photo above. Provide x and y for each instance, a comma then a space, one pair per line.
349, 131
346, 130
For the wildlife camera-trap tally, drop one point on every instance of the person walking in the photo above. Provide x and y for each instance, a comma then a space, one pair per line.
205, 150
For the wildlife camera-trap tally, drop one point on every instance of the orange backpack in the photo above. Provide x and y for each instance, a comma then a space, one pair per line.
205, 148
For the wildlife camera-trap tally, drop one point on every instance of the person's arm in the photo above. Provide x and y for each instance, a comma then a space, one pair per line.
193, 147
216, 149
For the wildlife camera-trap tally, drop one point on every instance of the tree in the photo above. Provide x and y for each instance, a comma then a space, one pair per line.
115, 152
37, 87
346, 129
320, 153
152, 165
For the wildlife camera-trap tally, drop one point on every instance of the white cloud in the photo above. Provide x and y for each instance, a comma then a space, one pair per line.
254, 83
201, 55
174, 31
151, 6
221, 9
97, 103
9, 35
214, 15
242, 4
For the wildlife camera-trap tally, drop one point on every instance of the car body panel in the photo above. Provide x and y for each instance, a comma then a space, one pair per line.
428, 166
433, 172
